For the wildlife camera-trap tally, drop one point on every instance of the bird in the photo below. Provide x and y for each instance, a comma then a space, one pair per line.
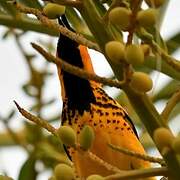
86, 103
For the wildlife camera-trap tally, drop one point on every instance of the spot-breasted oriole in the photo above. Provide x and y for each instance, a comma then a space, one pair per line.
86, 103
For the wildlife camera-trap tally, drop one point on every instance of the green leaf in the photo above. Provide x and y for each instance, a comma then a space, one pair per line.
77, 22
158, 38
175, 112
173, 43
165, 68
31, 3
28, 170
167, 91
8, 7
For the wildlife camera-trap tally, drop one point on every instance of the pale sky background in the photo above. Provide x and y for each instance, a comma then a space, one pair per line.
13, 74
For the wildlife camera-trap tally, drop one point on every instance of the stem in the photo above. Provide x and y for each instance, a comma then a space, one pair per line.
44, 20
105, 164
175, 64
170, 105
76, 3
14, 136
135, 174
137, 155
27, 24
101, 31
151, 62
75, 70
36, 120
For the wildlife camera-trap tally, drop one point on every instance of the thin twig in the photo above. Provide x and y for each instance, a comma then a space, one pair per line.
104, 163
137, 155
75, 70
98, 160
66, 32
14, 136
132, 27
141, 173
41, 122
71, 3
170, 105
175, 64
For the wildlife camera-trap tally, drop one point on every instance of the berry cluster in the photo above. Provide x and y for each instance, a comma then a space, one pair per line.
125, 19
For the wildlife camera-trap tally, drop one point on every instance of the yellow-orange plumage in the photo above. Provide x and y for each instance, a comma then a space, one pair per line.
109, 122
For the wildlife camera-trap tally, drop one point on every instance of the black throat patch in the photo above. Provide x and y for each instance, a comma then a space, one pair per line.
78, 91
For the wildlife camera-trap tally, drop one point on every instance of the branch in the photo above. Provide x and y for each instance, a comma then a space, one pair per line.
75, 70
41, 122
141, 173
105, 164
170, 105
27, 24
66, 32
14, 136
167, 58
76, 4
137, 155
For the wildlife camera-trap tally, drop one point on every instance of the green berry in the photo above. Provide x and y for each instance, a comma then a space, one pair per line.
155, 3
115, 51
163, 137
86, 137
95, 177
147, 18
176, 144
67, 135
120, 16
134, 54
141, 82
64, 172
52, 10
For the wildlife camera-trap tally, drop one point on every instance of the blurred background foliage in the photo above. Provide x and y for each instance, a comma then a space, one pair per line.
42, 148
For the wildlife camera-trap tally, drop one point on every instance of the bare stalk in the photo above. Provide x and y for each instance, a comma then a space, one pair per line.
75, 70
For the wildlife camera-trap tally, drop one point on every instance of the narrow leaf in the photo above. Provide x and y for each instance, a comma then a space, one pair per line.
28, 170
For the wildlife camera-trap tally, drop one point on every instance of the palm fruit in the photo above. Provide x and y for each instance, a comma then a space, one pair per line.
134, 54
67, 135
53, 11
163, 137
147, 18
95, 177
176, 144
115, 51
86, 137
64, 172
146, 49
52, 178
120, 16
141, 82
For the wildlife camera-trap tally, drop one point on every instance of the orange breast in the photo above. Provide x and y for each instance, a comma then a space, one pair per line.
107, 119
